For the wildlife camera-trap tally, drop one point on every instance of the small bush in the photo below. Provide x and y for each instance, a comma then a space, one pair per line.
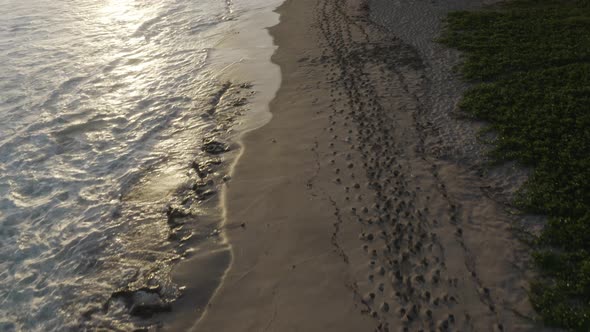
530, 62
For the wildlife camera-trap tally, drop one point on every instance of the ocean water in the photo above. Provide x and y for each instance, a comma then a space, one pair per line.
97, 99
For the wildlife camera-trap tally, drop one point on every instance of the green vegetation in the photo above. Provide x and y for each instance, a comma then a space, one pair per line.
530, 61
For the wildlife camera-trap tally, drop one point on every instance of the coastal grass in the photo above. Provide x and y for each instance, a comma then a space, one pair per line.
530, 62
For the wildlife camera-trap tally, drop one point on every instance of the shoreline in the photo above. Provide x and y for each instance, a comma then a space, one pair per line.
101, 191
340, 212
253, 170
242, 56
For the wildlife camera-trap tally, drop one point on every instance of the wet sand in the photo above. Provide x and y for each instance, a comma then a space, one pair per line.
342, 215
242, 61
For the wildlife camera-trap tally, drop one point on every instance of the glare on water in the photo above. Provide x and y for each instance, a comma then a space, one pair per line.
100, 105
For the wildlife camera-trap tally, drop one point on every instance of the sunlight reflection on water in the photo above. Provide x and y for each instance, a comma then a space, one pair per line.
95, 97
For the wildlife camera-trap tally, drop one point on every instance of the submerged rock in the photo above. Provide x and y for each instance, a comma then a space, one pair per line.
200, 186
206, 167
215, 147
144, 302
241, 102
174, 212
201, 171
179, 234
203, 190
206, 194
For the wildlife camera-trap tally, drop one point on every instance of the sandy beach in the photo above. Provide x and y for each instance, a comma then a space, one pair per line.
356, 208
295, 165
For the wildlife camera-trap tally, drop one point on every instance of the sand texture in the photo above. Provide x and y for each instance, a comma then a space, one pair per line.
341, 214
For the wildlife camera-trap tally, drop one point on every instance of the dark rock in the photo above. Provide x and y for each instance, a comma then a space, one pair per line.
215, 147
206, 194
201, 171
143, 302
173, 213
200, 187
208, 166
179, 234
241, 102
146, 304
